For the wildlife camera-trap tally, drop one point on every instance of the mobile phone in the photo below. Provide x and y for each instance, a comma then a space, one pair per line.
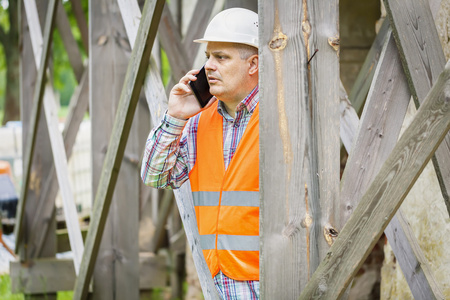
200, 87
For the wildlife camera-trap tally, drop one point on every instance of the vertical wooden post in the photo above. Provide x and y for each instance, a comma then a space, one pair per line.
285, 224
115, 274
322, 46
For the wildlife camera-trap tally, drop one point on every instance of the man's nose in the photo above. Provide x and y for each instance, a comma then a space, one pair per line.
209, 65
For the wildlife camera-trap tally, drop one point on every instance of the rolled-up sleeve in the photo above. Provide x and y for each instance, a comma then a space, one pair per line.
165, 163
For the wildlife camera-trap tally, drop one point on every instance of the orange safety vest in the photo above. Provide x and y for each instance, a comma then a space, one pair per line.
227, 201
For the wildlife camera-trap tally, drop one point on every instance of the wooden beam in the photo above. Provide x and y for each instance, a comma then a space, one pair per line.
48, 275
384, 196
381, 122
349, 119
37, 105
362, 83
196, 27
324, 90
134, 79
285, 171
423, 60
415, 266
57, 144
70, 44
163, 215
82, 23
157, 102
45, 209
170, 37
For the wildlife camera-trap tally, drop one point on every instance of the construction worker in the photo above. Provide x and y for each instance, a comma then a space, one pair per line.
217, 149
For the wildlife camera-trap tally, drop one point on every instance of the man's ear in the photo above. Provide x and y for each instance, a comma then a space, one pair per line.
253, 62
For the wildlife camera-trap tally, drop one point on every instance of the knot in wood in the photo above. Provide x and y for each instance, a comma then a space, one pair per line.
306, 27
330, 233
278, 42
334, 42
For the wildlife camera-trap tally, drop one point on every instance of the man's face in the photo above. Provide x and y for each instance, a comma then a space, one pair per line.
227, 73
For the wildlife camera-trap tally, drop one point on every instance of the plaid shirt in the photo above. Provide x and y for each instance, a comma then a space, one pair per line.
171, 151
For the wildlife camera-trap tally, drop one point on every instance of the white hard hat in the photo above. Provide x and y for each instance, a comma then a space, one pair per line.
234, 25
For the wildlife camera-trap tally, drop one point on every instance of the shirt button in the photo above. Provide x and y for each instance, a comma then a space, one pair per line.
167, 125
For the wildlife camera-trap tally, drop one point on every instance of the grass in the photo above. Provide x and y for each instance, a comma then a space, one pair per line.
5, 291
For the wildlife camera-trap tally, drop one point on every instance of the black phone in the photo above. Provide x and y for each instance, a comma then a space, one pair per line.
200, 87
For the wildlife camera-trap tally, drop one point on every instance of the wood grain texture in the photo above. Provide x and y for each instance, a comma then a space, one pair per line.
381, 122
411, 259
134, 79
384, 195
324, 85
363, 81
35, 115
423, 60
286, 221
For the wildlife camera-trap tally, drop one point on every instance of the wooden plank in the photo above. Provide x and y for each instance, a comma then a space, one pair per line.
115, 276
163, 215
384, 196
285, 224
410, 257
62, 239
53, 275
170, 39
70, 44
363, 81
324, 85
381, 122
157, 102
37, 105
423, 60
42, 154
82, 23
130, 93
45, 209
197, 26
349, 119
57, 145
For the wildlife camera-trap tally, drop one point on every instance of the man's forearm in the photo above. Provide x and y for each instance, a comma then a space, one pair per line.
163, 165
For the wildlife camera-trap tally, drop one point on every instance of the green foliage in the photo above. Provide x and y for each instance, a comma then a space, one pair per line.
5, 291
165, 68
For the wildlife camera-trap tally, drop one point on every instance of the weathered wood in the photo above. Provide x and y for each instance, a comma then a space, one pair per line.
157, 102
381, 122
384, 196
197, 26
53, 275
70, 44
42, 154
45, 209
163, 215
115, 275
57, 145
81, 22
423, 60
363, 81
324, 85
170, 39
130, 94
37, 105
410, 257
62, 239
285, 216
349, 119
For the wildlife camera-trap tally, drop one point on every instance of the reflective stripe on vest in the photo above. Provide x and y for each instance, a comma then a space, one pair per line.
229, 198
230, 242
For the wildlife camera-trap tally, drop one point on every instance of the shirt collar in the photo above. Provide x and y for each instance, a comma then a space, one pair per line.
249, 102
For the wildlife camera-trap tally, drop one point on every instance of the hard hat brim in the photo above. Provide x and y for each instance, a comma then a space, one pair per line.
212, 39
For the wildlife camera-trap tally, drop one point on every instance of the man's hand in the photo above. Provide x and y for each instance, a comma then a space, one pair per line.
182, 102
